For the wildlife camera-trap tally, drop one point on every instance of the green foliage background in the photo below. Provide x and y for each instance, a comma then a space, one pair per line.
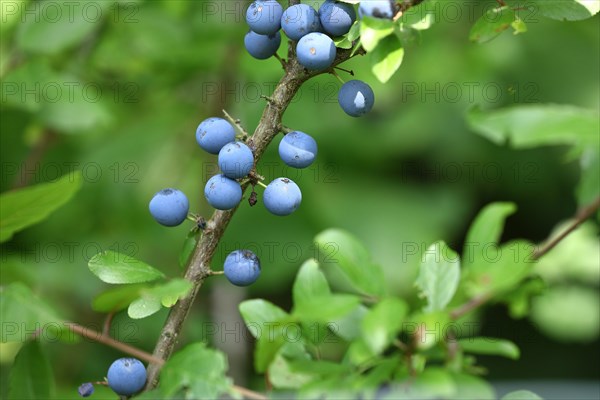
389, 178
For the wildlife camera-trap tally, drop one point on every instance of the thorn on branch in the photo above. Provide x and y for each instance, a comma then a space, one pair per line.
238, 124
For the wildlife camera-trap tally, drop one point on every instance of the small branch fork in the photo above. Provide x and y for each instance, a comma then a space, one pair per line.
581, 216
105, 339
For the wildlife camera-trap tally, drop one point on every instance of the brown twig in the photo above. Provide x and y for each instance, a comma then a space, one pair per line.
142, 355
582, 215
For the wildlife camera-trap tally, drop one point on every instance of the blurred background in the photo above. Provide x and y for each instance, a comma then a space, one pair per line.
117, 89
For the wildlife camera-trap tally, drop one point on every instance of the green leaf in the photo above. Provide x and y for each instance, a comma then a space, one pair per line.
281, 374
373, 30
383, 323
116, 299
310, 283
22, 208
486, 229
490, 346
349, 326
19, 83
23, 313
588, 188
502, 269
568, 313
575, 258
258, 314
491, 24
433, 383
439, 275
267, 346
469, 387
326, 309
347, 41
521, 395
195, 372
563, 10
153, 298
51, 30
533, 125
387, 58
144, 307
339, 248
31, 374
117, 268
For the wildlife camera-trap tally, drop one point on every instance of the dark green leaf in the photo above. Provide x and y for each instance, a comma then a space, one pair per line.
195, 372
116, 299
50, 30
23, 313
491, 24
490, 346
387, 58
117, 268
188, 248
31, 374
563, 10
532, 125
22, 208
383, 323
439, 275
338, 247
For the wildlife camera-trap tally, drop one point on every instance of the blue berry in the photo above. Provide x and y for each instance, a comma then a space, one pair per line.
282, 197
299, 20
236, 160
214, 133
126, 376
356, 98
262, 46
297, 149
242, 267
336, 17
384, 9
264, 16
169, 207
316, 51
222, 192
86, 389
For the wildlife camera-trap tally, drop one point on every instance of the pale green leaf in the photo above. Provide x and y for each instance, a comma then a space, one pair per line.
383, 323
439, 275
521, 395
568, 313
486, 230
373, 30
195, 372
339, 248
387, 58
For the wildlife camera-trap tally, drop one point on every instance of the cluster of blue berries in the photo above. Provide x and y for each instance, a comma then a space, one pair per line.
126, 377
313, 31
